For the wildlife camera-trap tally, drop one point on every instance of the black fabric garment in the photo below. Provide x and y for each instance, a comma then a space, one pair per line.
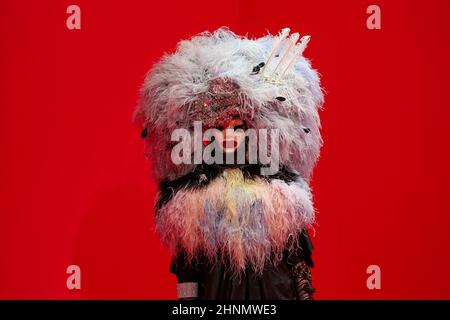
276, 282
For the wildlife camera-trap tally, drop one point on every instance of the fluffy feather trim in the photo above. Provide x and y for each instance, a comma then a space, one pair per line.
250, 222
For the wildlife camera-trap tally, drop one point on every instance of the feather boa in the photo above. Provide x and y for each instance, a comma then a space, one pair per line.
248, 220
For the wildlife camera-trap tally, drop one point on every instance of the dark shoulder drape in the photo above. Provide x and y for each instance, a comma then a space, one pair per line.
276, 282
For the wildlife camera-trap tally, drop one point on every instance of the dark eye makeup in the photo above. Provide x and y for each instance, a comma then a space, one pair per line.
241, 126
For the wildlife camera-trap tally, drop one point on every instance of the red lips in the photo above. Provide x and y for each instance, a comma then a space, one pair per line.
231, 143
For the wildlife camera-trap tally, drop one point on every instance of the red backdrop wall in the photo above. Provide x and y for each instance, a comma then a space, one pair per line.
75, 187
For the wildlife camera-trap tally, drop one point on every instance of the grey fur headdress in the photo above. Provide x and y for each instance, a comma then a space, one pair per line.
271, 85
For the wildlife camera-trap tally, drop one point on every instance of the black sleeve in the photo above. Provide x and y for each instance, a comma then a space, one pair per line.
185, 272
304, 252
300, 263
306, 244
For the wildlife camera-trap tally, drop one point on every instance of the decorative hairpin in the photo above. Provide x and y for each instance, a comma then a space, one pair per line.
285, 52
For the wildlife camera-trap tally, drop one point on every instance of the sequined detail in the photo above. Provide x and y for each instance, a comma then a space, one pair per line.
187, 290
303, 281
219, 104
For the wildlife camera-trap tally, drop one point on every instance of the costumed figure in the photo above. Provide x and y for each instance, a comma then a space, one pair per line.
232, 128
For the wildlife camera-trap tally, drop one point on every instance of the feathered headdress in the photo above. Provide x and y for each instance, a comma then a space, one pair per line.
214, 76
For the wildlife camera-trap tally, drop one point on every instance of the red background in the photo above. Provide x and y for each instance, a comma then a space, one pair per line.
75, 187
